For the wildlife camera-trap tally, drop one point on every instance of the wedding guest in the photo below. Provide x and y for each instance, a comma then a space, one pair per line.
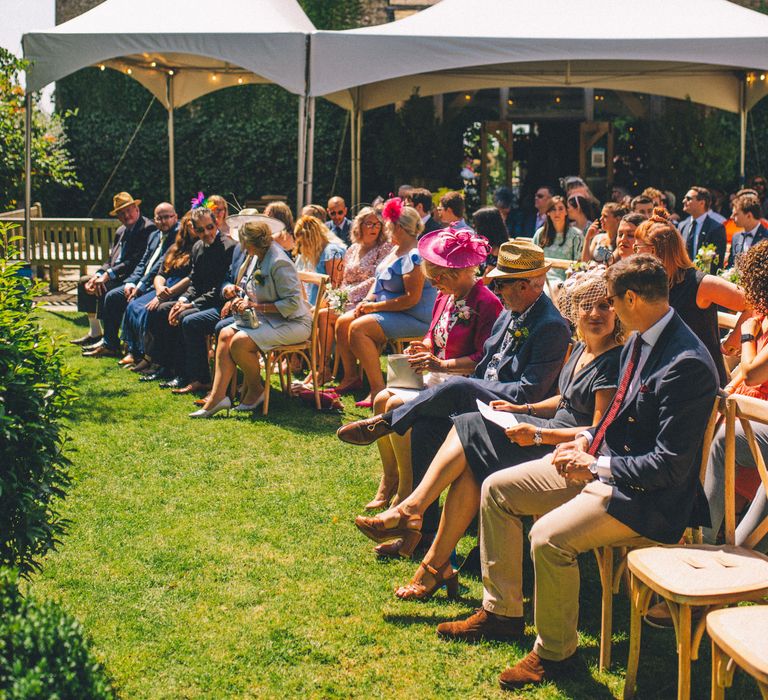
315, 210
397, 305
489, 224
746, 215
702, 228
421, 199
282, 212
338, 223
557, 238
692, 293
581, 212
273, 294
600, 239
451, 210
477, 447
316, 252
369, 247
220, 209
625, 239
464, 313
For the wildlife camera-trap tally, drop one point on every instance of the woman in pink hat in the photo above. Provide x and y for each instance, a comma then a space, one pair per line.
462, 318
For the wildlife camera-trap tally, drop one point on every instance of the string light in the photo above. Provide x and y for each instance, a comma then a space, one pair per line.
214, 77
102, 67
557, 99
170, 72
153, 64
467, 97
240, 81
129, 71
762, 76
510, 102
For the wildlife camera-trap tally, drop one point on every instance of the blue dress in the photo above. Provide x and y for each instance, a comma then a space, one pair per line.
389, 285
332, 251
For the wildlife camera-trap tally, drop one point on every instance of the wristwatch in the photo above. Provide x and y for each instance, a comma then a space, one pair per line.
537, 439
747, 337
593, 469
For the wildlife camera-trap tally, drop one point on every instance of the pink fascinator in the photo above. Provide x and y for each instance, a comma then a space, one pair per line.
393, 208
454, 248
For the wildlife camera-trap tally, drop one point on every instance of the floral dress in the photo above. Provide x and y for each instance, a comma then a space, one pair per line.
360, 269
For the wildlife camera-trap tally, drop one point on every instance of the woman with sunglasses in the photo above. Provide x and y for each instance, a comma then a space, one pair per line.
692, 293
476, 447
558, 239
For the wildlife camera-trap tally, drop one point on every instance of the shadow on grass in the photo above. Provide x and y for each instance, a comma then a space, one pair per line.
79, 319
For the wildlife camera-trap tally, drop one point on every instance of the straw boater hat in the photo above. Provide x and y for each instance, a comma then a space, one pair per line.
122, 200
520, 258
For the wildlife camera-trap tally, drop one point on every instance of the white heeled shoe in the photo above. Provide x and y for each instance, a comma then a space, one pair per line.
243, 407
224, 405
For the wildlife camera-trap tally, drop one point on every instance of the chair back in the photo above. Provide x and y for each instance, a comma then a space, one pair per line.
745, 409
309, 277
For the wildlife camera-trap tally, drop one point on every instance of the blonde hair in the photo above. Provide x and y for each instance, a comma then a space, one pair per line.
356, 232
410, 221
255, 233
311, 236
431, 271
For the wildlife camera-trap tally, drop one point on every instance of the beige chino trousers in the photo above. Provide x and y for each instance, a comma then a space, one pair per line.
573, 520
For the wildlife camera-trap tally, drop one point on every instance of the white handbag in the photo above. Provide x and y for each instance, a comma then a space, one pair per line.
400, 374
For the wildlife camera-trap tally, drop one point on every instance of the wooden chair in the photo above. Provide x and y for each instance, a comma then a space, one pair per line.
739, 639
398, 344
306, 350
701, 576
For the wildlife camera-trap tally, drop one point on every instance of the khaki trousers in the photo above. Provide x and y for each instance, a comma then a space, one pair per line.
574, 520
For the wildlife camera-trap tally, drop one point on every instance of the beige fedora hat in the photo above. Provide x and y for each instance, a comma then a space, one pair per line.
521, 258
122, 200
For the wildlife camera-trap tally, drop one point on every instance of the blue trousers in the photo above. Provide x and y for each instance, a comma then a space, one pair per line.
113, 306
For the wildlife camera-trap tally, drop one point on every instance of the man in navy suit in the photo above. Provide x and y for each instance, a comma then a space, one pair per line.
746, 214
338, 222
535, 218
632, 479
422, 203
701, 228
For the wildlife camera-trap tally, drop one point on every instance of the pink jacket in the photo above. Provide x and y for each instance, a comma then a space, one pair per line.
467, 339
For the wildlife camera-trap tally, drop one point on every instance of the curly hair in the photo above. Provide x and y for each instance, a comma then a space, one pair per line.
753, 271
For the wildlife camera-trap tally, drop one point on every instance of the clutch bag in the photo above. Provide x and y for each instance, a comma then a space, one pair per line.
400, 374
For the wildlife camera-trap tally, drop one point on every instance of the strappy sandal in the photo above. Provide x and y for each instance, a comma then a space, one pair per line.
416, 590
407, 527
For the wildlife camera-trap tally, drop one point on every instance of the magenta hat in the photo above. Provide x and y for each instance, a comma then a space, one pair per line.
454, 248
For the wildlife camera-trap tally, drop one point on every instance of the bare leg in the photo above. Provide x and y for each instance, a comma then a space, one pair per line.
388, 483
224, 368
348, 361
366, 340
246, 354
401, 447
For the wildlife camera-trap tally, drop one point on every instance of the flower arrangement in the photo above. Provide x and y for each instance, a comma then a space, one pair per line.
730, 274
706, 257
337, 299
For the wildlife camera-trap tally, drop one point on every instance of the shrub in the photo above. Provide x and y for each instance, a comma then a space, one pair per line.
44, 652
35, 392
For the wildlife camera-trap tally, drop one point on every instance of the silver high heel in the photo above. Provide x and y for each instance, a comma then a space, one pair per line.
224, 405
243, 407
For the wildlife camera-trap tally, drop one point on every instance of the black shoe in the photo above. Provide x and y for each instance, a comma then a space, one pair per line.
87, 339
174, 383
160, 375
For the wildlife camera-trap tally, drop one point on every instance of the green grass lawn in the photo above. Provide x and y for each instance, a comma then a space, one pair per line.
217, 559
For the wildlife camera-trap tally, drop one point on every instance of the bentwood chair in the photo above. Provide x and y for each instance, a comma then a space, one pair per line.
702, 577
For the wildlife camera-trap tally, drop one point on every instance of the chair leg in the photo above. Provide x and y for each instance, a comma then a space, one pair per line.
720, 676
684, 652
605, 565
639, 596
268, 358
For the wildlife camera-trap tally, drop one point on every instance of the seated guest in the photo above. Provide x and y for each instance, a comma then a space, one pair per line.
631, 479
692, 293
476, 447
600, 239
581, 212
751, 379
338, 223
642, 205
273, 296
282, 212
138, 283
451, 210
397, 305
170, 282
462, 319
369, 247
625, 238
421, 200
489, 224
210, 257
316, 252
746, 215
558, 239
218, 205
521, 363
128, 246
315, 210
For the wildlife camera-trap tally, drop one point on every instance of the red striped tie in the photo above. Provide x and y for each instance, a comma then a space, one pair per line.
618, 397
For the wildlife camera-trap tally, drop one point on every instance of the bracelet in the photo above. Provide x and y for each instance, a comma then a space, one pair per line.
531, 410
747, 337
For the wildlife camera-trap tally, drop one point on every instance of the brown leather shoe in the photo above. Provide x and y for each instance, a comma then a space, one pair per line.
532, 669
192, 388
658, 616
87, 339
101, 351
364, 432
483, 625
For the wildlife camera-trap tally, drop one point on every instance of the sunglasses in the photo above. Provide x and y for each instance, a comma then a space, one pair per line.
207, 227
689, 199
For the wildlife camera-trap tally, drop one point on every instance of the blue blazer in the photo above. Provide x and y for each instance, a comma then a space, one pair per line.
737, 243
711, 232
142, 276
655, 441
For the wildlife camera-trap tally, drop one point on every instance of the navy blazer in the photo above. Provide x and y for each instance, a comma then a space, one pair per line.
655, 441
127, 248
711, 232
140, 272
528, 373
737, 243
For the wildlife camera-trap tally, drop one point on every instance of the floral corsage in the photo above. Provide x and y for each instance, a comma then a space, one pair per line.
462, 312
519, 336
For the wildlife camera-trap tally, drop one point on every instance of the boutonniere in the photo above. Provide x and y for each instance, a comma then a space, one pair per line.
462, 312
519, 336
644, 389
257, 278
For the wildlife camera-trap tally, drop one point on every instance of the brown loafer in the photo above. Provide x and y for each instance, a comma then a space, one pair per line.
101, 351
87, 339
532, 669
191, 388
483, 625
364, 432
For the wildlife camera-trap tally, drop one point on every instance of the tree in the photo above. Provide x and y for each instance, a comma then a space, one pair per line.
52, 165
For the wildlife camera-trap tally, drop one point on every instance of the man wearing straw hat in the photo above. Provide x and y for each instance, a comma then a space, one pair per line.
127, 249
521, 362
